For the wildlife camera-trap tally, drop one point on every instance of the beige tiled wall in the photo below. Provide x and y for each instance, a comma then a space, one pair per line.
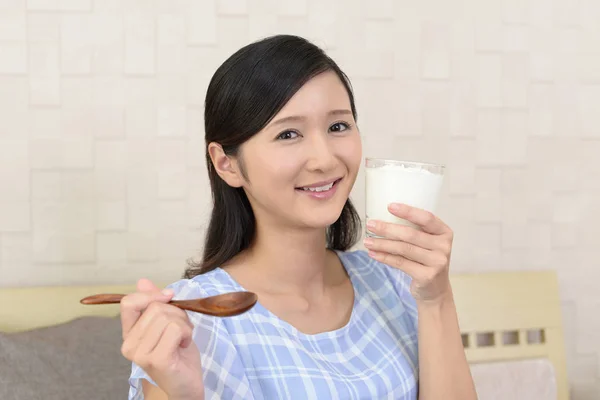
102, 177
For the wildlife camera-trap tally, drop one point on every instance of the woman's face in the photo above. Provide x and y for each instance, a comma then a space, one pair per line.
301, 167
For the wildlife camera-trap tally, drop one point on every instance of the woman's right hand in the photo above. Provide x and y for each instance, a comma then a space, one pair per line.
158, 337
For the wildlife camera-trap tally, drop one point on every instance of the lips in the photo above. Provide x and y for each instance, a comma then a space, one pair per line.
320, 186
320, 191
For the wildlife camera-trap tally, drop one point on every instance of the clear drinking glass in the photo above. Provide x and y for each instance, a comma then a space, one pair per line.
392, 181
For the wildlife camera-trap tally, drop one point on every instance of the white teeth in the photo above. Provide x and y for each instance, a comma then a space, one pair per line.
320, 188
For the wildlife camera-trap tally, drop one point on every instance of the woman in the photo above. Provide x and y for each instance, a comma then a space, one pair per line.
283, 152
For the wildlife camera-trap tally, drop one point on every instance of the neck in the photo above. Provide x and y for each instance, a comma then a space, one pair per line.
290, 260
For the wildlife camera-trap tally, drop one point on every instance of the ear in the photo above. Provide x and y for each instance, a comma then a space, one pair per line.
226, 166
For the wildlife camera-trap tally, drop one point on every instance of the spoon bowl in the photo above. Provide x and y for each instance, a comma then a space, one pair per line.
222, 305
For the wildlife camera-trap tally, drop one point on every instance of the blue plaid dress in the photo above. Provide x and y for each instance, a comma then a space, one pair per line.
257, 356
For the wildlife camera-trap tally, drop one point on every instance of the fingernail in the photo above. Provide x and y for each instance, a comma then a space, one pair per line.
368, 242
371, 224
167, 292
394, 206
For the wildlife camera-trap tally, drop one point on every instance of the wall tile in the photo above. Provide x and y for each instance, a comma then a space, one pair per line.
172, 215
292, 7
564, 235
489, 37
515, 11
111, 247
514, 236
514, 210
46, 153
76, 38
42, 27
171, 29
77, 153
489, 80
109, 122
46, 185
171, 121
77, 186
111, 155
139, 45
110, 184
321, 15
383, 9
141, 185
140, 91
62, 248
43, 5
111, 216
13, 58
202, 23
172, 182
170, 59
588, 111
232, 7
140, 121
516, 38
379, 35
13, 26
15, 216
142, 246
15, 250
171, 152
171, 90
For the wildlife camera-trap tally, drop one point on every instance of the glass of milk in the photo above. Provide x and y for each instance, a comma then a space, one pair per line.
407, 182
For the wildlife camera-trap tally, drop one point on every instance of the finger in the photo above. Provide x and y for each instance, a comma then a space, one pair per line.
153, 312
441, 243
425, 219
403, 233
410, 267
407, 250
151, 337
134, 304
174, 337
146, 285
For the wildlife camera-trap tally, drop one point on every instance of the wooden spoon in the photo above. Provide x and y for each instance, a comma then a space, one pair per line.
222, 305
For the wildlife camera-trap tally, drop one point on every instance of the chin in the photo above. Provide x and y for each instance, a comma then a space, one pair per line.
319, 219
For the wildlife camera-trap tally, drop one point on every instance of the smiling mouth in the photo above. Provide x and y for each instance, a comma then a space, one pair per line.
318, 189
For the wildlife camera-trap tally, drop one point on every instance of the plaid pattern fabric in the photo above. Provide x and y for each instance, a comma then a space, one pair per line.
257, 356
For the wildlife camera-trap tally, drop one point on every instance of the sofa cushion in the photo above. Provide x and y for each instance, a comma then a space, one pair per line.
80, 359
515, 380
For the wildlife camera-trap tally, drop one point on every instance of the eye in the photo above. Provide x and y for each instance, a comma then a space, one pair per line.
339, 127
287, 135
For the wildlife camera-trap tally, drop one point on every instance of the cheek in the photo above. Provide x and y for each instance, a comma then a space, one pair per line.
352, 153
276, 169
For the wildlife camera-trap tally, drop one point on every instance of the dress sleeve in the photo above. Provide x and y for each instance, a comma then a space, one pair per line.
224, 375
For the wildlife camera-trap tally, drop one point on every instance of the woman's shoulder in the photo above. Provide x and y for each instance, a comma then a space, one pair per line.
210, 283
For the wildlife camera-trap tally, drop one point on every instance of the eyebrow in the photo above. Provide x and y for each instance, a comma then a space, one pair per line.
296, 118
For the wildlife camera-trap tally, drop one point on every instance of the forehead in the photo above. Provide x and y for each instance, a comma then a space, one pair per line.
319, 95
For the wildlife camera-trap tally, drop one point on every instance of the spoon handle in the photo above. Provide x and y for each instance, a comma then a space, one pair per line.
113, 298
107, 298
221, 305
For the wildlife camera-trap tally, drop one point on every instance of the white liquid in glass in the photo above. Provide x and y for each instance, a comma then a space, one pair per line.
410, 185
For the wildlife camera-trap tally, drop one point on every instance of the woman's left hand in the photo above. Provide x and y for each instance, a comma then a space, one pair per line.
423, 254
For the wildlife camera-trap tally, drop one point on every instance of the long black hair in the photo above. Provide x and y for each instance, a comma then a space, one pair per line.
244, 94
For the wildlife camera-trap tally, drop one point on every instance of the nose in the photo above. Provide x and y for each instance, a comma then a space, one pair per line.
321, 154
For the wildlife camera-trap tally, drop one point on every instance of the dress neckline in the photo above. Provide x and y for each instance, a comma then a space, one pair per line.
292, 329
